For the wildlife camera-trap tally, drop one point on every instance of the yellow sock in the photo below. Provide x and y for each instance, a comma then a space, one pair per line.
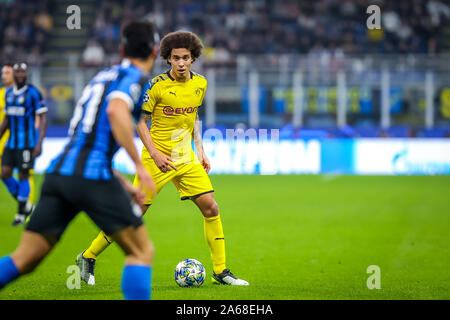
216, 242
97, 246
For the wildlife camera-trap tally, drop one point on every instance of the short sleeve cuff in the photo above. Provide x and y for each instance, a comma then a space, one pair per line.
121, 95
41, 110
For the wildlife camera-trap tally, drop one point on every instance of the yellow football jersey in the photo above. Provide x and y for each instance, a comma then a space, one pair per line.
2, 117
173, 106
2, 103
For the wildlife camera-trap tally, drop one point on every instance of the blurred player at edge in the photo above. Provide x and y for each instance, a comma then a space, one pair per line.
8, 81
81, 177
23, 104
171, 102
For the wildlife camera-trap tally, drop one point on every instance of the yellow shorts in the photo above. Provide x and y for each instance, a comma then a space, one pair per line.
190, 178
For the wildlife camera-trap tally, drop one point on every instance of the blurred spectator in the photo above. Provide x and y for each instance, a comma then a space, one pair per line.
253, 26
35, 58
284, 26
93, 55
390, 20
43, 21
24, 29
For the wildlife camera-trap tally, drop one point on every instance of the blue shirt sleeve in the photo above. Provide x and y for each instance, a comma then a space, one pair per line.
130, 90
39, 102
126, 89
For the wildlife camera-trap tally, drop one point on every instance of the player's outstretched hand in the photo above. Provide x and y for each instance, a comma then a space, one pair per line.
163, 162
146, 181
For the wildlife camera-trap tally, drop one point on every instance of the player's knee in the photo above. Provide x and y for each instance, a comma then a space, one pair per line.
6, 173
211, 210
144, 254
149, 252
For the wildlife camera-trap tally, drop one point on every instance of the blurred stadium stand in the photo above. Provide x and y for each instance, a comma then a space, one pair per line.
348, 73
25, 28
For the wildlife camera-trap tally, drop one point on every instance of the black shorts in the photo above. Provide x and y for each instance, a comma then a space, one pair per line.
62, 197
21, 159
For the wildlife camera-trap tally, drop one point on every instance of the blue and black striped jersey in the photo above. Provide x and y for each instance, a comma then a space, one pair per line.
21, 107
92, 146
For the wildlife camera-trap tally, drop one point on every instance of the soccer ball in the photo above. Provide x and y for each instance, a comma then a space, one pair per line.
190, 273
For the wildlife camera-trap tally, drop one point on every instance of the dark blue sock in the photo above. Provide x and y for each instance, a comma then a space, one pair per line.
136, 282
24, 190
12, 185
8, 271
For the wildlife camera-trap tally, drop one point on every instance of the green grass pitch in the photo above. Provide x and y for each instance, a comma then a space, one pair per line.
291, 237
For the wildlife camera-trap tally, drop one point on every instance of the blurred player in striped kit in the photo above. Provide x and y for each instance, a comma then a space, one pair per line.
81, 177
22, 104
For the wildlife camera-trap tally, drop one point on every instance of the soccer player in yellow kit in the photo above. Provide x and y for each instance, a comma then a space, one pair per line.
8, 81
171, 101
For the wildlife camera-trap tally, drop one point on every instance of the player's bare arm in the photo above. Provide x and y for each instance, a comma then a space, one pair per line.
4, 126
163, 162
42, 130
122, 129
202, 157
